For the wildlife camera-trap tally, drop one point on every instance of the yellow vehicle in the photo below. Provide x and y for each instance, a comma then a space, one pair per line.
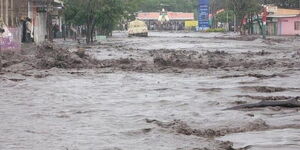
137, 28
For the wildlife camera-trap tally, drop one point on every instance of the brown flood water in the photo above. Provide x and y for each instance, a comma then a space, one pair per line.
98, 110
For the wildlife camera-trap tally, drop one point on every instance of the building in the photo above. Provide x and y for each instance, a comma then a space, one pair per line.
288, 21
165, 20
13, 13
281, 21
11, 10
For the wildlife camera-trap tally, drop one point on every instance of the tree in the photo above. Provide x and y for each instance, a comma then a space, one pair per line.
109, 15
103, 14
242, 8
225, 16
49, 10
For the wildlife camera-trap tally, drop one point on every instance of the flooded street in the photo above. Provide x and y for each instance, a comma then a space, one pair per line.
165, 92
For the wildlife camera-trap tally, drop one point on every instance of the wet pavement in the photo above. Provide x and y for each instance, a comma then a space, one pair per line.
108, 109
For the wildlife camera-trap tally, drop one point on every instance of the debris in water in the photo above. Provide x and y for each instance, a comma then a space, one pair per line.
292, 103
266, 89
271, 98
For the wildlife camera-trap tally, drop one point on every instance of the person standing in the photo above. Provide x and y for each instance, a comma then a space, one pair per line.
28, 30
55, 30
24, 20
1, 26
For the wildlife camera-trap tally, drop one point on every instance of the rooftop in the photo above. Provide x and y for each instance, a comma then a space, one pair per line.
274, 11
281, 11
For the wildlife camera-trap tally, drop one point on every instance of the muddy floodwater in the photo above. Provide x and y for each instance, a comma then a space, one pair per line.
174, 108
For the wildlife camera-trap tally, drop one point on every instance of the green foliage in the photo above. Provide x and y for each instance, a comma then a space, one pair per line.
223, 16
79, 11
103, 14
130, 8
283, 3
74, 12
242, 8
109, 15
170, 5
191, 5
216, 30
106, 14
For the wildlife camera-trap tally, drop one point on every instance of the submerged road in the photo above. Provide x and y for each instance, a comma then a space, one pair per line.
103, 109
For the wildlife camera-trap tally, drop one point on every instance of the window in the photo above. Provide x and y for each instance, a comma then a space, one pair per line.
297, 25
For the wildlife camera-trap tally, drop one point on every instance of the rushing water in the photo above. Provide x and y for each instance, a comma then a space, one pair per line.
285, 139
108, 111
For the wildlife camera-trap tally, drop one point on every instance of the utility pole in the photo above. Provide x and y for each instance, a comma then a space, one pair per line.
227, 22
227, 16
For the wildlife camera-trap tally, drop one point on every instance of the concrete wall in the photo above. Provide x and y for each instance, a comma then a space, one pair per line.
286, 26
40, 27
272, 28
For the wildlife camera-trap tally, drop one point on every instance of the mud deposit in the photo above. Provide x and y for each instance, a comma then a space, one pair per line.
165, 92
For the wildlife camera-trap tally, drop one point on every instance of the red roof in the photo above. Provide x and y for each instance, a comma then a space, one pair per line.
148, 16
172, 16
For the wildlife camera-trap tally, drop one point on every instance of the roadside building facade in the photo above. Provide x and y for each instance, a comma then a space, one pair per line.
14, 13
281, 22
172, 21
12, 10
